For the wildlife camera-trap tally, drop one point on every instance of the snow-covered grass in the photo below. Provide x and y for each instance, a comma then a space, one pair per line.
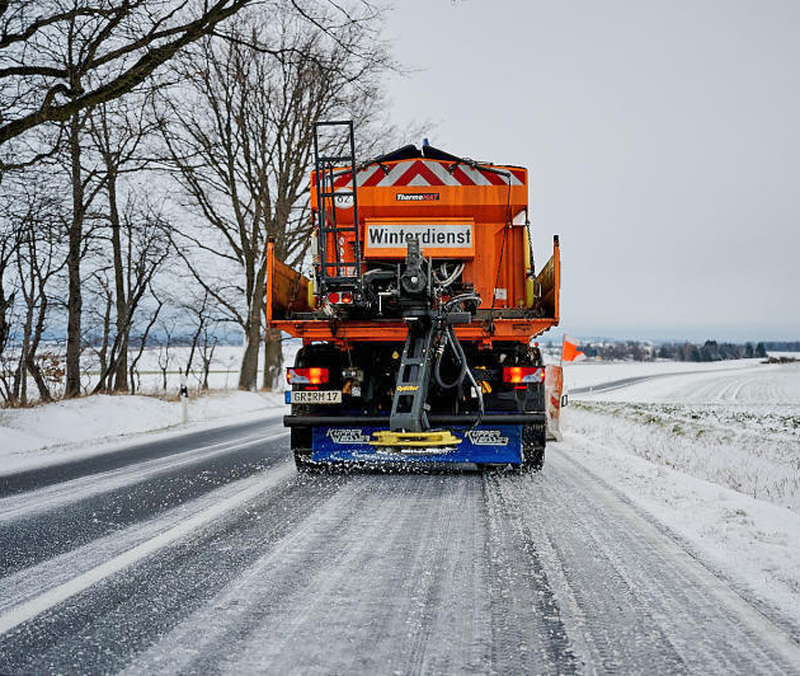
734, 424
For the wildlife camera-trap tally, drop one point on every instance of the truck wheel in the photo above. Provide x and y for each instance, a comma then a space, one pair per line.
533, 442
300, 440
303, 462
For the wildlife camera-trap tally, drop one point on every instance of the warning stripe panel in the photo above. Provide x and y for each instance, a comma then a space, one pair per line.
425, 173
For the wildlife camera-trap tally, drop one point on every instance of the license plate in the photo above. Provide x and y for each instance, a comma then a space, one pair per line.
316, 397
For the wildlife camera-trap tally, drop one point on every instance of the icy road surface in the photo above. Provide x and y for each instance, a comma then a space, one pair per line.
214, 556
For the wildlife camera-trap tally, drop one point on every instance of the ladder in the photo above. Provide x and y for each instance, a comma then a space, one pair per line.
409, 407
339, 270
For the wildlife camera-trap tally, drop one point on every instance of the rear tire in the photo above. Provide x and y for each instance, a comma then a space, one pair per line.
304, 463
533, 443
300, 440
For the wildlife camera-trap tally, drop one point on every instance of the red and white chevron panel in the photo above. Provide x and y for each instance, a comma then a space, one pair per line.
426, 173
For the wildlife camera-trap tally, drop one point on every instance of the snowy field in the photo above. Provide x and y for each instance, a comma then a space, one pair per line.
736, 424
223, 374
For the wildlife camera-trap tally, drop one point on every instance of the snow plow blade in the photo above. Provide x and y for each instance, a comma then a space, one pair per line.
489, 444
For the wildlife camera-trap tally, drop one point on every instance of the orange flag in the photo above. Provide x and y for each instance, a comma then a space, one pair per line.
570, 352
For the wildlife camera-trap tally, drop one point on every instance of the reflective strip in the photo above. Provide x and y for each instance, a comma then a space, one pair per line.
424, 173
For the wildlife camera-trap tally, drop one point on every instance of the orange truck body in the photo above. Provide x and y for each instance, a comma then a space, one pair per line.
475, 213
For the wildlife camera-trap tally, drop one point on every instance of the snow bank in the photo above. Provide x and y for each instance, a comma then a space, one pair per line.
737, 428
81, 427
754, 543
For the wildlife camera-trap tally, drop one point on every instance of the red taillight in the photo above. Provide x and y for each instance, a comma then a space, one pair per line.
309, 376
523, 374
335, 298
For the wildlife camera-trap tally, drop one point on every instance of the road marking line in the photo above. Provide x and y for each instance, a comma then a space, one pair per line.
49, 599
47, 498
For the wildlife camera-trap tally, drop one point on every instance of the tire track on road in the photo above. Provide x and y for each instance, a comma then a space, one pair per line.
66, 520
106, 622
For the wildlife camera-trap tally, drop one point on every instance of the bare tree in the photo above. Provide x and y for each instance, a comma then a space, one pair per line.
43, 80
142, 341
9, 288
165, 351
140, 245
242, 150
7, 293
121, 44
34, 218
199, 308
86, 183
119, 131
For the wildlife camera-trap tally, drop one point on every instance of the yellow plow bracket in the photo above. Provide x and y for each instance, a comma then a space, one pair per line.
414, 439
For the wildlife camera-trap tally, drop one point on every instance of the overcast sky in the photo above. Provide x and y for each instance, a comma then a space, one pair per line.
663, 140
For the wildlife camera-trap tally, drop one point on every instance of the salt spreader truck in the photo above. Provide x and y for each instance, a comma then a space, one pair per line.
418, 325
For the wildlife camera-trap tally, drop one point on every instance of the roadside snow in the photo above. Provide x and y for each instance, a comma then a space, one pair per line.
737, 428
714, 456
78, 428
67, 430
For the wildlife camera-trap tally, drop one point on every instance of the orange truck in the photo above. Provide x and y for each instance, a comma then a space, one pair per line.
419, 322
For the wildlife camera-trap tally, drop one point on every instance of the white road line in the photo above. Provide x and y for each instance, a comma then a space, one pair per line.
47, 498
35, 606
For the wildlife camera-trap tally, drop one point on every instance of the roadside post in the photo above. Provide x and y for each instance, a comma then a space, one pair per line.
184, 400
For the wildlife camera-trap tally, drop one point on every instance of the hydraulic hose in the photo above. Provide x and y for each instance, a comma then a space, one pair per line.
465, 372
450, 339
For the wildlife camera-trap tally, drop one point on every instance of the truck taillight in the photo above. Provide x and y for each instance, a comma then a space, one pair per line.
309, 376
335, 298
523, 374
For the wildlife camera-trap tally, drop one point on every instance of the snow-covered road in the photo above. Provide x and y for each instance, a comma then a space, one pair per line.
219, 557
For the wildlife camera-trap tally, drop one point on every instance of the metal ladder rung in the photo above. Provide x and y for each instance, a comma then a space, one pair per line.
336, 158
327, 173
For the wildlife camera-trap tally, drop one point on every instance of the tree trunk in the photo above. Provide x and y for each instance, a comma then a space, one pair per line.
35, 370
103, 355
120, 374
248, 376
75, 300
21, 381
273, 360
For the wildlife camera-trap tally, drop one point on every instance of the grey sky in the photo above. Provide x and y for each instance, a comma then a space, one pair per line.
664, 143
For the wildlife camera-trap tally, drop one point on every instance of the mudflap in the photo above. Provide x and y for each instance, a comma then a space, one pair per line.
488, 444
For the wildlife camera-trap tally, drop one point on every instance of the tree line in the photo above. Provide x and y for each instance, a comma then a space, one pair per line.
708, 351
148, 151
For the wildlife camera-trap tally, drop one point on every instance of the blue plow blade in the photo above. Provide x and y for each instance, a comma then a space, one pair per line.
482, 444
